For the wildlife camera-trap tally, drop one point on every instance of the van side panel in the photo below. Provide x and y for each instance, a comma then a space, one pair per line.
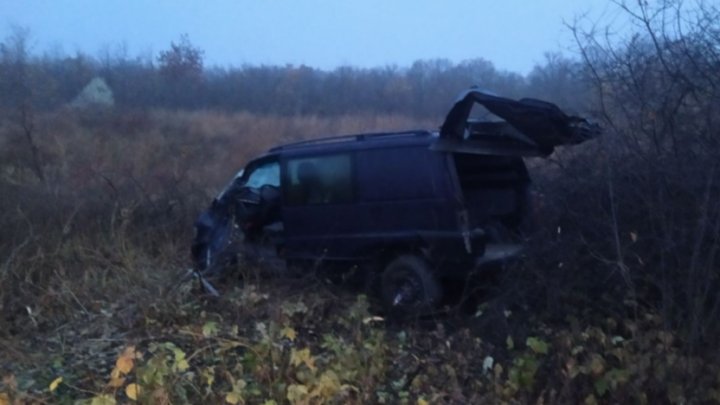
400, 195
403, 191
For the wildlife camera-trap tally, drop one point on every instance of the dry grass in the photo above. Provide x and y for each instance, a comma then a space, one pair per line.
114, 212
88, 253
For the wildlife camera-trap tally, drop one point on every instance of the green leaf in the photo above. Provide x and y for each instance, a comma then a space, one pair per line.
181, 363
292, 308
209, 375
509, 342
601, 386
537, 345
210, 329
400, 383
597, 364
617, 376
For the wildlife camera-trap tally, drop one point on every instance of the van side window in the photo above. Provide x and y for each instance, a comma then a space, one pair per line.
265, 174
319, 180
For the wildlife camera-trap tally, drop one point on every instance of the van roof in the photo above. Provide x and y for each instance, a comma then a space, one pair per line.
359, 141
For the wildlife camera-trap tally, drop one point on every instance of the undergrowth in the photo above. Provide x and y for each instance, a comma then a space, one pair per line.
304, 342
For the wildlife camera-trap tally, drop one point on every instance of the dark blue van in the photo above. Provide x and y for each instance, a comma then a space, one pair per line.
412, 207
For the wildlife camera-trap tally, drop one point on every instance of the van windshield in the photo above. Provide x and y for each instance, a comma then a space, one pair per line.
266, 174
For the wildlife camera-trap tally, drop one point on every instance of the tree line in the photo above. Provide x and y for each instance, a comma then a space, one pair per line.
176, 78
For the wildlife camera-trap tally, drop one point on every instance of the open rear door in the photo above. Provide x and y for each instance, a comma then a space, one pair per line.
530, 128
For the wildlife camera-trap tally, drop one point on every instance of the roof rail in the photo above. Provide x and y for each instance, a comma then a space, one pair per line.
351, 138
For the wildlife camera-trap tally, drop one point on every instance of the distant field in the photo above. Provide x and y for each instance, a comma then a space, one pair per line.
80, 148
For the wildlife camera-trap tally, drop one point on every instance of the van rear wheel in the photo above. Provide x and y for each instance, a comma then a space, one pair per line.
409, 287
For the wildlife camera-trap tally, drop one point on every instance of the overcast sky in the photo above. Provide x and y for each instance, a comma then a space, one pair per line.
513, 34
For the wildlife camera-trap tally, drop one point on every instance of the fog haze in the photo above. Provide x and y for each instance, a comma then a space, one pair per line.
513, 34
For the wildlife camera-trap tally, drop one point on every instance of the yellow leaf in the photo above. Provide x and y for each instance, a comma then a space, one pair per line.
124, 364
4, 399
116, 382
126, 361
132, 391
233, 398
328, 385
298, 357
591, 400
130, 352
239, 385
54, 384
289, 333
182, 365
422, 401
296, 393
104, 399
236, 395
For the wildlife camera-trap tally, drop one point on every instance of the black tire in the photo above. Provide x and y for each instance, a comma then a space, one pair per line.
409, 288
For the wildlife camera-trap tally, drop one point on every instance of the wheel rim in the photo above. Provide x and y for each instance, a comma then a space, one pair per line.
407, 291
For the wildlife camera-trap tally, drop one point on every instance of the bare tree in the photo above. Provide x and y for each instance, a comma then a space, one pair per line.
183, 61
14, 65
658, 92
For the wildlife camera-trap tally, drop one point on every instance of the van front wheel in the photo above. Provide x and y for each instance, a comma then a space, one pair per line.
409, 287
